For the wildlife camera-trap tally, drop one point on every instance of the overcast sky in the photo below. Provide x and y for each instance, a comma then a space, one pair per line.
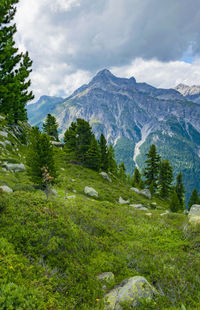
156, 41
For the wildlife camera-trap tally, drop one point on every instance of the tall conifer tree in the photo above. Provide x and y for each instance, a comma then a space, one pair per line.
104, 153
179, 188
152, 169
112, 165
165, 178
50, 126
194, 199
14, 68
93, 156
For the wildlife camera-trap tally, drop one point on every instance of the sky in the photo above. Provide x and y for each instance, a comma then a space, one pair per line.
69, 41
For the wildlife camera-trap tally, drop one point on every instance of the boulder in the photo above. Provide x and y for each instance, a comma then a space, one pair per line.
58, 144
4, 134
105, 176
14, 167
131, 291
106, 277
123, 202
71, 197
91, 191
194, 214
6, 189
146, 193
138, 207
136, 190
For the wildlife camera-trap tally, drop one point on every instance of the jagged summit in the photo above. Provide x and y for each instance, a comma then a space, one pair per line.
187, 90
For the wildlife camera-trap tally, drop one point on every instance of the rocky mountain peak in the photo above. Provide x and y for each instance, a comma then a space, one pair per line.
186, 90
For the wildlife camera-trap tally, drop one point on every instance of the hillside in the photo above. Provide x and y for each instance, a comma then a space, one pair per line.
132, 116
52, 250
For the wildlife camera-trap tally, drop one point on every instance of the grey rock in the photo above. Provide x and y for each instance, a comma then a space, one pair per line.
106, 277
105, 176
15, 167
4, 134
136, 190
194, 214
146, 193
123, 202
58, 144
6, 189
131, 291
138, 207
91, 191
71, 197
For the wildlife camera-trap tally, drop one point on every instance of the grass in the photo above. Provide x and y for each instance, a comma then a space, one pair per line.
52, 250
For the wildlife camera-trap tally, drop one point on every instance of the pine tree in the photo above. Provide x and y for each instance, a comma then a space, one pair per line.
40, 157
165, 178
104, 153
136, 179
179, 188
84, 137
194, 199
112, 165
175, 205
122, 172
70, 140
93, 156
152, 169
14, 68
50, 126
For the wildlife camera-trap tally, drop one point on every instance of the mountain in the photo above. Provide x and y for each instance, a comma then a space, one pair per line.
189, 92
132, 116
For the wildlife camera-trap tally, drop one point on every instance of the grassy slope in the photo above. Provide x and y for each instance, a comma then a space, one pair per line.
52, 250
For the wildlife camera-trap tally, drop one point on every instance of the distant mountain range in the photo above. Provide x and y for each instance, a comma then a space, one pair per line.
189, 92
132, 116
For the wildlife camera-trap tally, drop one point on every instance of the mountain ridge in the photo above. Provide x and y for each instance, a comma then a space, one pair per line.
132, 116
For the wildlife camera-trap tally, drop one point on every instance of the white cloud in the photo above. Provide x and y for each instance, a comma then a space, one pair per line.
161, 74
69, 40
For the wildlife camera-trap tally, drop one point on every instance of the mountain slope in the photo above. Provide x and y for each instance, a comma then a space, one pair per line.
132, 116
189, 92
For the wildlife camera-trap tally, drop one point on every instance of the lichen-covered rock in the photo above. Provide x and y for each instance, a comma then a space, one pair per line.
105, 176
14, 167
194, 215
106, 277
131, 291
138, 207
123, 202
136, 190
146, 193
91, 191
6, 189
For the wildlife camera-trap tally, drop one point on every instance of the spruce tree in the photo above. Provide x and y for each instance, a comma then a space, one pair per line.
152, 169
194, 199
14, 68
104, 153
136, 179
175, 205
112, 165
93, 156
40, 157
70, 140
122, 172
179, 188
84, 137
50, 127
165, 178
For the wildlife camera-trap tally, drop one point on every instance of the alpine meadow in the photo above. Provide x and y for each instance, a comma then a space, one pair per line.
100, 177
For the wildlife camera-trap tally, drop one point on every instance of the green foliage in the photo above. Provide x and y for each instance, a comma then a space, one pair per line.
136, 179
152, 168
50, 127
194, 199
14, 68
39, 156
93, 156
175, 205
112, 165
103, 153
122, 172
3, 201
165, 178
179, 188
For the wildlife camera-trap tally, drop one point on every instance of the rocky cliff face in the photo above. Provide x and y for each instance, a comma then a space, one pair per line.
190, 92
132, 116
